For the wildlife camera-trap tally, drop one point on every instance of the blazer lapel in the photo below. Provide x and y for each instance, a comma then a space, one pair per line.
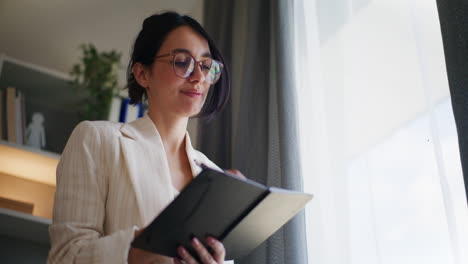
147, 165
196, 158
192, 155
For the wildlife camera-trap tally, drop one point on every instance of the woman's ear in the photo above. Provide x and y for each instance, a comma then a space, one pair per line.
141, 74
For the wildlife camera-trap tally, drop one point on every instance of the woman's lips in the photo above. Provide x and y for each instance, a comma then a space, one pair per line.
191, 93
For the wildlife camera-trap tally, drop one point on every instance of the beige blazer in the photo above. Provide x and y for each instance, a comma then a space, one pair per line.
112, 178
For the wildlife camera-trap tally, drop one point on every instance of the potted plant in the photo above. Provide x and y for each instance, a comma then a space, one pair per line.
96, 76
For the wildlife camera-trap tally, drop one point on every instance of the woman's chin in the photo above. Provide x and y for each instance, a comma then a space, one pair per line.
190, 112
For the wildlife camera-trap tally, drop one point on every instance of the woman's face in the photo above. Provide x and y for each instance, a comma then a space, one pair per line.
170, 94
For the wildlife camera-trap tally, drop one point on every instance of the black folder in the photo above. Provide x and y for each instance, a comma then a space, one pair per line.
240, 213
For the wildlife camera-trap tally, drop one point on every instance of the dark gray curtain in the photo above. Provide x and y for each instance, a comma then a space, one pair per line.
453, 15
257, 132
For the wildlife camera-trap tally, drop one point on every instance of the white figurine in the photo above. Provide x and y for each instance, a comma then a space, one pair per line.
35, 133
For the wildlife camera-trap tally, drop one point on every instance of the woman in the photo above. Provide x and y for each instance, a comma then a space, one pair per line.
114, 179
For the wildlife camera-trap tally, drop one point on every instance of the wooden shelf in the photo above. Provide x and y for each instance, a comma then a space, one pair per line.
24, 226
31, 149
28, 163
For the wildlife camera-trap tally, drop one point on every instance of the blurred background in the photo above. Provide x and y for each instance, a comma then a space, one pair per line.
360, 102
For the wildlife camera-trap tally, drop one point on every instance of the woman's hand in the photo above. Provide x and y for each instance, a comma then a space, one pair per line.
139, 256
204, 255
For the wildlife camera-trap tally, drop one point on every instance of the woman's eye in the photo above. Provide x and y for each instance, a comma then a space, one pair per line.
181, 64
205, 67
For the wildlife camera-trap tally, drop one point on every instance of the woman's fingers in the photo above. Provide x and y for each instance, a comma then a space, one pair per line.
136, 255
204, 255
138, 232
218, 248
202, 252
185, 256
179, 261
237, 173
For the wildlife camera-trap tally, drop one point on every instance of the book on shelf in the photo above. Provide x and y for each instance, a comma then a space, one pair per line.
128, 112
16, 205
20, 118
12, 116
114, 112
122, 111
2, 115
239, 212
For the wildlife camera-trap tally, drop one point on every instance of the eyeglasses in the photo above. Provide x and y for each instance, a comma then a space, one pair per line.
184, 64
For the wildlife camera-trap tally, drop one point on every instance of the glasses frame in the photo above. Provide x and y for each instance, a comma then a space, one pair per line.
197, 63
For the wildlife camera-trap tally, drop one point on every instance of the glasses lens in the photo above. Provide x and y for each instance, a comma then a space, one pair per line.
212, 70
183, 65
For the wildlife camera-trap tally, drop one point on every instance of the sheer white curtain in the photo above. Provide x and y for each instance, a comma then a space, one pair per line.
379, 144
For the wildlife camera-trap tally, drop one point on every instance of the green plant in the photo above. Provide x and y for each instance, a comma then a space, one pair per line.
96, 76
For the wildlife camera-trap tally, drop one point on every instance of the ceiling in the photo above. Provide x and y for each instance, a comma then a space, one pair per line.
48, 33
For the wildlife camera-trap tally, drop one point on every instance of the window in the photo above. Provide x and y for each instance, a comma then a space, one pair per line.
379, 144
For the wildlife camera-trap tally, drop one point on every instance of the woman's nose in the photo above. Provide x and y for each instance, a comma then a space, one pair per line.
197, 74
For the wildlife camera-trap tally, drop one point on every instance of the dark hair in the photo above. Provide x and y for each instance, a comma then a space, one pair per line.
149, 41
